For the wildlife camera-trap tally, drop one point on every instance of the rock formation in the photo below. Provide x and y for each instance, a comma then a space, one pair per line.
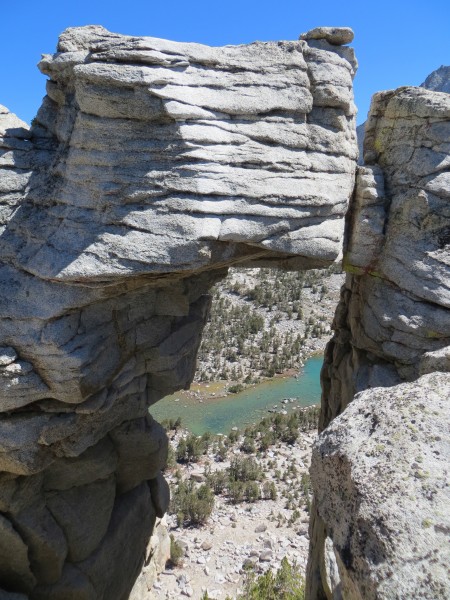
378, 471
437, 81
150, 168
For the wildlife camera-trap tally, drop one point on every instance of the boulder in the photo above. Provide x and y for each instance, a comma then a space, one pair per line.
379, 487
15, 571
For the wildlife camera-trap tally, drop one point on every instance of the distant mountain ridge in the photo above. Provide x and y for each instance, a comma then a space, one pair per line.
437, 81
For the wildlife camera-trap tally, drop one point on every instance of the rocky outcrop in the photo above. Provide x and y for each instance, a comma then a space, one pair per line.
156, 556
437, 81
393, 316
150, 168
380, 486
392, 325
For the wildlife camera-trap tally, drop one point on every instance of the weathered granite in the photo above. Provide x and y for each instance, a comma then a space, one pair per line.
437, 81
150, 168
392, 325
395, 301
157, 555
381, 487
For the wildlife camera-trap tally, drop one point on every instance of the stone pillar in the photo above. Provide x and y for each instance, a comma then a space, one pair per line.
392, 325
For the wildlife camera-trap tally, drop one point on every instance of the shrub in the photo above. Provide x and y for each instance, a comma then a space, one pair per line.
218, 481
221, 452
236, 491
269, 490
236, 388
176, 552
233, 436
193, 505
251, 491
285, 584
190, 449
248, 446
244, 469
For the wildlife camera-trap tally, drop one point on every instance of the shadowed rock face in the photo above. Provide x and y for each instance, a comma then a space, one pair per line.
150, 168
377, 470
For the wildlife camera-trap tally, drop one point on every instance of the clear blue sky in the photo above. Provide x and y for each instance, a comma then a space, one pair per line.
397, 42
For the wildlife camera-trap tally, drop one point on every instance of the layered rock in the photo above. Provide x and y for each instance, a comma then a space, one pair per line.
150, 168
437, 81
392, 325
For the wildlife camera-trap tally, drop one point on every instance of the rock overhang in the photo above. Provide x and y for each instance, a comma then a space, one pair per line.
177, 157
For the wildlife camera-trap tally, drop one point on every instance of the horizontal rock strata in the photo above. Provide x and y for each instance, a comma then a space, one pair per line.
150, 167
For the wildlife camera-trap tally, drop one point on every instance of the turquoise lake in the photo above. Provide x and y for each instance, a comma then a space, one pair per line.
219, 415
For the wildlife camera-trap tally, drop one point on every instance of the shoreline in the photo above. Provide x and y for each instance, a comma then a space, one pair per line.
217, 390
213, 409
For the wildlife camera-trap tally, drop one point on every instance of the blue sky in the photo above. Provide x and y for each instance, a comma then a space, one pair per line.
397, 42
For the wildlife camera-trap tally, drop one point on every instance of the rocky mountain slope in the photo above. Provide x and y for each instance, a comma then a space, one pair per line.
265, 322
253, 533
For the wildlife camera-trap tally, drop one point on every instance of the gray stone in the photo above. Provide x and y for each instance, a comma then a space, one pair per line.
15, 569
123, 546
157, 555
73, 585
83, 513
266, 556
142, 448
334, 35
97, 462
150, 168
160, 493
45, 540
438, 80
379, 485
392, 325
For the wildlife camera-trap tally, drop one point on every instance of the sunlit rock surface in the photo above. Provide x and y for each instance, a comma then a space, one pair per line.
381, 485
392, 325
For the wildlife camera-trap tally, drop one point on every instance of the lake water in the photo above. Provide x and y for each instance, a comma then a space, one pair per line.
236, 410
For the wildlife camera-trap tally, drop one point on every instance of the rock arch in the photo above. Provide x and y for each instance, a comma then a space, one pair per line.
150, 168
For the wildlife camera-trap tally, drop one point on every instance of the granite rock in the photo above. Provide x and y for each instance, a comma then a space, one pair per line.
391, 326
150, 168
379, 487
